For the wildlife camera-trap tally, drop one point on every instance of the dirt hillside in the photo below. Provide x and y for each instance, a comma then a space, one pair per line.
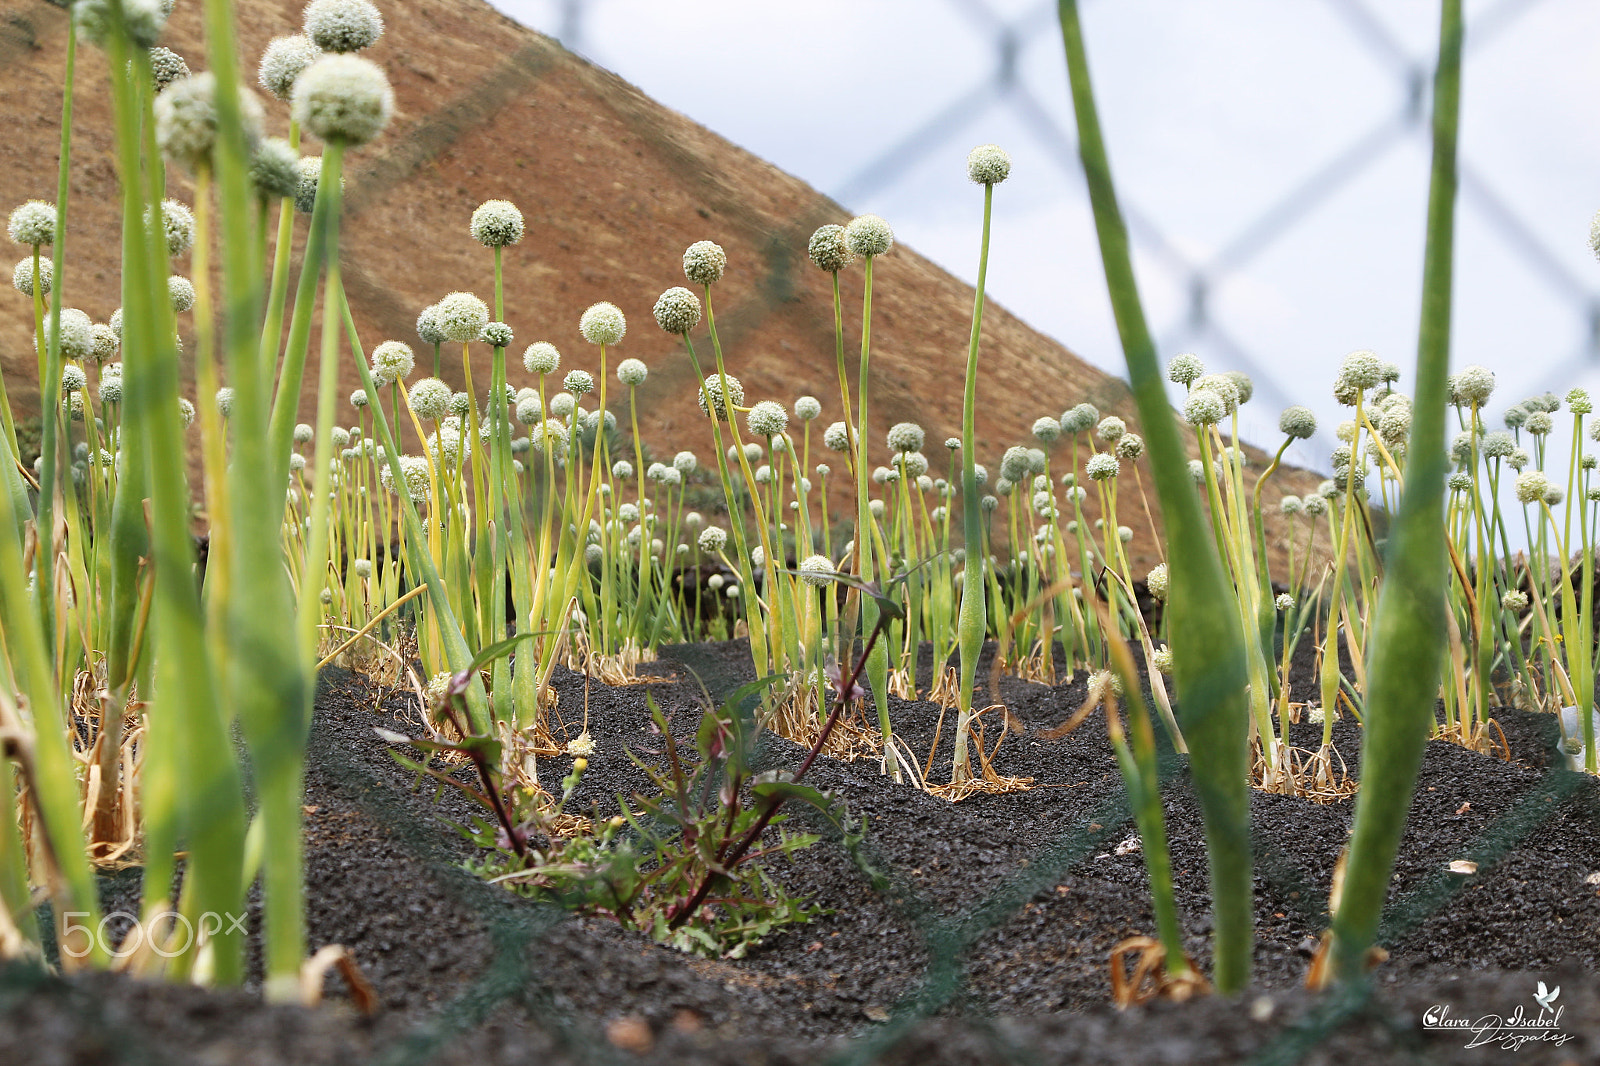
614, 187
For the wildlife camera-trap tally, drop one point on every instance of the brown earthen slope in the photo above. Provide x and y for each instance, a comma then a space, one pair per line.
613, 185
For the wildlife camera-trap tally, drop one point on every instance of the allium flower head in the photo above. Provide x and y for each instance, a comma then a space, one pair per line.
1226, 388
343, 98
1045, 429
562, 404
1315, 505
1291, 505
685, 462
837, 437
343, 25
283, 61
498, 334
1203, 408
77, 334
430, 399
105, 344
497, 223
704, 262
868, 235
1102, 466
632, 372
767, 419
73, 379
1080, 418
1498, 445
22, 275
461, 317
915, 464
807, 408
1014, 463
828, 249
225, 398
677, 310
988, 164
1578, 401
1539, 423
816, 570
303, 433
144, 20
1111, 429
305, 197
358, 398
177, 223
1185, 368
186, 120
578, 382
1460, 481
1395, 423
1156, 581
33, 223
713, 539
1297, 422
414, 470
603, 323
713, 388
166, 67
1360, 371
1532, 486
392, 361
1471, 386
111, 389
905, 437
1130, 446
541, 358
529, 410
181, 290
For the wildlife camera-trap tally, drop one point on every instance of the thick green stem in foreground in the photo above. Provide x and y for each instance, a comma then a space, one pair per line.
1208, 663
1409, 634
971, 623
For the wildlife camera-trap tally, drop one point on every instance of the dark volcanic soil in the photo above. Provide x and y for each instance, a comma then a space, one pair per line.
999, 921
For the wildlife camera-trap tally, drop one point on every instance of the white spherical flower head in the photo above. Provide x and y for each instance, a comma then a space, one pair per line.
111, 389
177, 223
497, 334
275, 169
343, 25
181, 290
225, 398
817, 570
677, 310
837, 437
1360, 371
767, 419
807, 408
497, 223
905, 437
185, 411
1225, 388
33, 223
303, 433
343, 98
392, 361
685, 462
1102, 466
541, 358
1578, 401
1471, 386
358, 399
1046, 429
578, 382
1185, 368
1297, 422
1203, 408
711, 393
1156, 581
461, 317
562, 404
73, 378
1242, 384
1111, 429
22, 276
868, 235
1284, 602
915, 464
143, 19
988, 164
704, 262
305, 194
1539, 423
713, 539
430, 399
752, 452
283, 61
829, 250
1532, 487
624, 469
632, 372
77, 334
1130, 446
529, 411
763, 474
186, 120
603, 323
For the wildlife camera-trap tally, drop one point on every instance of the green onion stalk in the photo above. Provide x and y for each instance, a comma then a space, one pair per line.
1408, 634
1208, 663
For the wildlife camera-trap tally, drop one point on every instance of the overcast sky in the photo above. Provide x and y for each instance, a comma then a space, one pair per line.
1218, 113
